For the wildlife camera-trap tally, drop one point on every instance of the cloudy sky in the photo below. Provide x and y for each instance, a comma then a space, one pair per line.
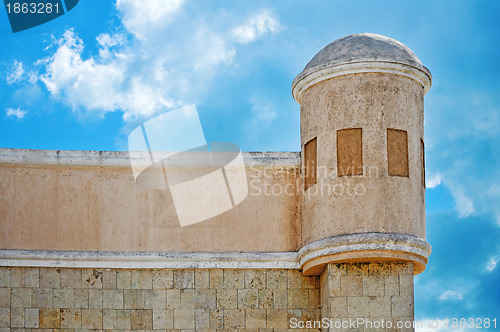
86, 79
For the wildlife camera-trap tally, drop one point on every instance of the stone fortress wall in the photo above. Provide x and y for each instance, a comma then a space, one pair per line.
83, 247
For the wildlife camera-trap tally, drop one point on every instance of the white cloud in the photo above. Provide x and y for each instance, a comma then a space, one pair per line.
143, 17
492, 263
140, 72
80, 82
451, 295
465, 149
463, 204
16, 73
264, 113
16, 112
107, 42
256, 26
433, 181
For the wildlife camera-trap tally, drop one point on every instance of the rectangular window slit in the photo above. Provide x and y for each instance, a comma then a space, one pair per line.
349, 152
397, 152
423, 161
310, 162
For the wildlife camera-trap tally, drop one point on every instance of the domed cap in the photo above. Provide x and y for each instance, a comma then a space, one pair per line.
359, 53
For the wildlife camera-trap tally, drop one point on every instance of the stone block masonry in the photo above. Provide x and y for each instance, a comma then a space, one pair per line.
373, 291
66, 299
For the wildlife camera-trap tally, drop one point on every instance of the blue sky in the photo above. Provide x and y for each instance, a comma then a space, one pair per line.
86, 79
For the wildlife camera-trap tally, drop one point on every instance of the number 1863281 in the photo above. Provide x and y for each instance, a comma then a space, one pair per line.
32, 8
471, 323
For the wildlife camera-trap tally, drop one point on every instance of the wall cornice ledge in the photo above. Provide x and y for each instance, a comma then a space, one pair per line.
134, 260
311, 258
364, 247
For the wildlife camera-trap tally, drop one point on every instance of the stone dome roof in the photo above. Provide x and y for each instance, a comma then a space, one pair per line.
364, 47
362, 52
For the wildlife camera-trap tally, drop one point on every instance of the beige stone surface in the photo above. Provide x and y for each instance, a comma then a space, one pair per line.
183, 319
234, 319
369, 290
81, 298
4, 298
163, 279
202, 279
202, 319
163, 319
234, 279
298, 298
255, 279
141, 279
109, 319
402, 305
123, 319
250, 299
227, 299
71, 318
42, 298
92, 278
95, 298
49, 318
50, 278
374, 285
20, 297
109, 279
391, 284
142, 319
372, 102
380, 307
4, 317
5, 277
216, 278
255, 318
187, 299
277, 279
17, 277
338, 307
31, 318
113, 299
17, 317
216, 318
173, 299
277, 318
280, 299
265, 298
63, 298
77, 208
92, 319
133, 298
33, 278
71, 278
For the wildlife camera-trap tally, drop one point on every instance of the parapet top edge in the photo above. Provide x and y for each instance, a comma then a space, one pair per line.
123, 158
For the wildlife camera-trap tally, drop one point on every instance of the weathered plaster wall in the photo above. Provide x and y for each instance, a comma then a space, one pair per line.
101, 208
375, 201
